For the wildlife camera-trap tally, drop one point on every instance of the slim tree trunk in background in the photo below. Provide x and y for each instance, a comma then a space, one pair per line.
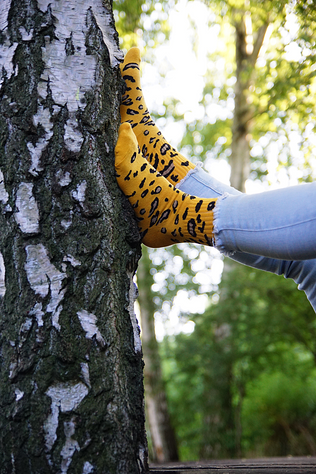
247, 52
247, 47
71, 392
161, 431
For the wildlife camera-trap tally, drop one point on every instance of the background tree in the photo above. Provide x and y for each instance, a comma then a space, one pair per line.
71, 392
162, 436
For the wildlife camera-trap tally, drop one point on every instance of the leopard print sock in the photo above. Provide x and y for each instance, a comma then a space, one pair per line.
165, 214
171, 164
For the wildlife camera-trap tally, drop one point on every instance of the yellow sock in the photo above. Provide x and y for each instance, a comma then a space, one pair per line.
171, 164
165, 214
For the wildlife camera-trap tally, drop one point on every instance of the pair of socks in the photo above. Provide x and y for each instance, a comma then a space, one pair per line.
147, 170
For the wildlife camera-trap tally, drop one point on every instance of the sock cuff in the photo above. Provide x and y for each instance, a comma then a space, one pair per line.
191, 171
219, 243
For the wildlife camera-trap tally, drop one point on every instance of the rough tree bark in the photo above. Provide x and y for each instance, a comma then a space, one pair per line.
162, 434
71, 391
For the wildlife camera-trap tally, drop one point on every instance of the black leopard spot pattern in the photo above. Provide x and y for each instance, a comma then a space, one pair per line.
171, 164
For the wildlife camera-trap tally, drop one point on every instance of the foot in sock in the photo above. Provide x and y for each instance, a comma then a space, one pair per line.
165, 215
171, 164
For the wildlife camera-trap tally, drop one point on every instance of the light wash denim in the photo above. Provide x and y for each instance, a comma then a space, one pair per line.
273, 231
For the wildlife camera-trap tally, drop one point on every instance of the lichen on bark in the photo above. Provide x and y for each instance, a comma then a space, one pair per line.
71, 393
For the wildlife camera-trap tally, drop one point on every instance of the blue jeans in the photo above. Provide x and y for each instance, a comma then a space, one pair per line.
273, 231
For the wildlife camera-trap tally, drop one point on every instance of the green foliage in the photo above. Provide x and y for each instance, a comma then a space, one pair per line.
279, 85
246, 372
279, 413
141, 21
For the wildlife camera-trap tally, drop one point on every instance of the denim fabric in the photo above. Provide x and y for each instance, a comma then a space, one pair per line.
272, 231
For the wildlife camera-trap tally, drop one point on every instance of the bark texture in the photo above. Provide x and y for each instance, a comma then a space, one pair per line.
71, 389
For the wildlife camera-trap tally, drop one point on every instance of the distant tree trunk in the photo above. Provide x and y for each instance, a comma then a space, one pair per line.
248, 45
71, 390
161, 431
247, 51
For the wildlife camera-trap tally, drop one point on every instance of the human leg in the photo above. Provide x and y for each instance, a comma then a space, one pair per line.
303, 272
278, 224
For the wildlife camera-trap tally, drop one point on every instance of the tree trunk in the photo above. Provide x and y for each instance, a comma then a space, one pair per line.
161, 431
247, 51
71, 391
248, 45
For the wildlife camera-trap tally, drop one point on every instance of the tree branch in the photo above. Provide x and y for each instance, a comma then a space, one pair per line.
258, 43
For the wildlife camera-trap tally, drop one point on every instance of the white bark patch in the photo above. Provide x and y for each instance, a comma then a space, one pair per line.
132, 298
85, 373
18, 395
7, 49
27, 216
74, 262
67, 223
42, 117
87, 468
103, 19
73, 137
65, 398
4, 196
71, 76
70, 446
63, 178
38, 313
13, 367
25, 328
4, 11
6, 59
13, 462
80, 193
142, 455
26, 36
88, 323
43, 277
2, 276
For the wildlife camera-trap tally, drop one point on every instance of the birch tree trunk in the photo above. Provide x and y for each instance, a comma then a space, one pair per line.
71, 390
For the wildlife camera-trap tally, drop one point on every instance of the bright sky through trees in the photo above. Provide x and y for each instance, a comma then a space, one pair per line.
176, 69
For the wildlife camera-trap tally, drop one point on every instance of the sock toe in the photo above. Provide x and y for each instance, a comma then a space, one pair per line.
132, 56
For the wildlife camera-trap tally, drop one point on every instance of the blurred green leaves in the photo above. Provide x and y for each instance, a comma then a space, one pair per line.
139, 21
247, 372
